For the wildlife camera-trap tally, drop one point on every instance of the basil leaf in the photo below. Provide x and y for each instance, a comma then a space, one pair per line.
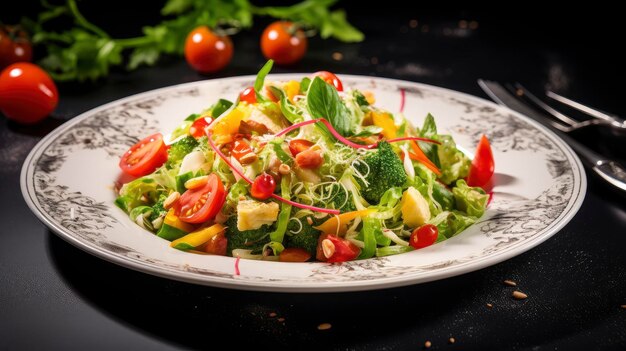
323, 101
288, 109
429, 130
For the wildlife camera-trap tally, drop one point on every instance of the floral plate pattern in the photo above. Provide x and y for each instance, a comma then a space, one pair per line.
68, 180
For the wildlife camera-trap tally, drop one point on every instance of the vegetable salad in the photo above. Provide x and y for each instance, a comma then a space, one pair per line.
300, 171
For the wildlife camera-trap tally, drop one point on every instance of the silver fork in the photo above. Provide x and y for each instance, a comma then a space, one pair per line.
609, 170
599, 118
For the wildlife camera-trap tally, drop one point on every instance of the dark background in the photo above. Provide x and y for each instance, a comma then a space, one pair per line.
55, 296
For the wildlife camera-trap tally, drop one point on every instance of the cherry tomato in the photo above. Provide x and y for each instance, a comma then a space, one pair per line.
145, 156
294, 254
217, 245
309, 159
248, 95
283, 42
296, 146
483, 164
423, 236
197, 127
27, 93
263, 187
206, 51
341, 250
329, 78
240, 148
15, 46
203, 203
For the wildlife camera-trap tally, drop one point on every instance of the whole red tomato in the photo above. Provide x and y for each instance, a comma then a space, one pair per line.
27, 93
206, 51
283, 42
14, 46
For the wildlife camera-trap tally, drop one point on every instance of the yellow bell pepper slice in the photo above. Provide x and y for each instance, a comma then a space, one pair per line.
172, 220
338, 224
225, 127
385, 121
197, 238
292, 89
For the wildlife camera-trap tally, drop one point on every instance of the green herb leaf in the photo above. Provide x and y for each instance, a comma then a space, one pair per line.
323, 101
143, 56
175, 7
220, 107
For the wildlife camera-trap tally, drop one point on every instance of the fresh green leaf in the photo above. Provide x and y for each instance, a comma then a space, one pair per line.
220, 107
370, 227
471, 200
304, 84
176, 7
360, 98
260, 79
288, 109
338, 27
323, 101
392, 250
146, 55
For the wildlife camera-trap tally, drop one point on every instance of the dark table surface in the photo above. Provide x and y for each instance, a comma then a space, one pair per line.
55, 296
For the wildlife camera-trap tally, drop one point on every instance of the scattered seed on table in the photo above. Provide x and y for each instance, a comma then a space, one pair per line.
324, 326
451, 340
624, 307
489, 305
337, 56
510, 283
519, 295
281, 319
428, 344
273, 314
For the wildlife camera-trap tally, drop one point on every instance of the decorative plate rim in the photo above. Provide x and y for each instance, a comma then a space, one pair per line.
570, 210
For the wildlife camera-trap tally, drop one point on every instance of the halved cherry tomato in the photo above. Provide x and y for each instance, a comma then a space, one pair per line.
263, 187
248, 95
329, 78
203, 203
197, 127
342, 250
145, 156
283, 42
483, 164
294, 254
206, 51
309, 159
240, 148
27, 93
296, 146
423, 236
217, 245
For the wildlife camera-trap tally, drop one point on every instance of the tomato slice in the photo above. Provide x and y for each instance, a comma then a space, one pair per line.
483, 164
202, 204
330, 78
145, 156
248, 95
197, 127
240, 148
343, 250
296, 146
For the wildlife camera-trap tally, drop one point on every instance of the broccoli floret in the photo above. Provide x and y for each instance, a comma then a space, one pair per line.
385, 171
305, 238
179, 149
157, 209
248, 239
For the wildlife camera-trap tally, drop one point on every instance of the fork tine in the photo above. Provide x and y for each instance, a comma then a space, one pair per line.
545, 106
580, 107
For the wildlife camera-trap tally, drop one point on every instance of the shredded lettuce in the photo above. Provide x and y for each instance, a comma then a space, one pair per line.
471, 200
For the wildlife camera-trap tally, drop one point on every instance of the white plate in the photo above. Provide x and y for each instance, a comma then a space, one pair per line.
67, 180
